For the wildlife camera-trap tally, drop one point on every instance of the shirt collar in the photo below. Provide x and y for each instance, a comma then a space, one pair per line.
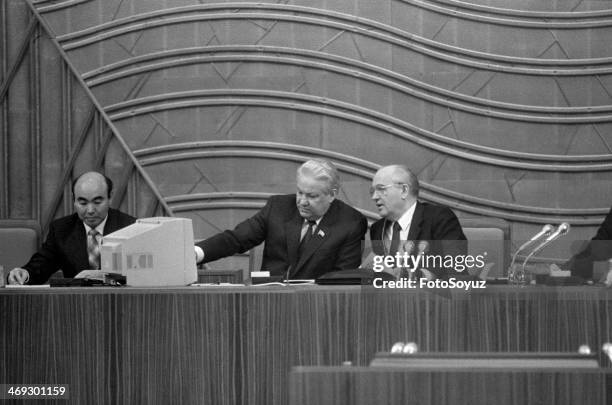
316, 221
406, 218
99, 228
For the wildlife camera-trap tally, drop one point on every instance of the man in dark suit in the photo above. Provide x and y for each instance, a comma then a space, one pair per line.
598, 249
430, 228
306, 234
72, 243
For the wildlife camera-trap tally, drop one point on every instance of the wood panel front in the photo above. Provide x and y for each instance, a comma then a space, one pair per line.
364, 386
237, 345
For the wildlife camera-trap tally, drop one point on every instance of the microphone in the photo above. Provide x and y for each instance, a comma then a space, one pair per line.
607, 349
563, 229
407, 247
287, 274
410, 348
398, 347
546, 230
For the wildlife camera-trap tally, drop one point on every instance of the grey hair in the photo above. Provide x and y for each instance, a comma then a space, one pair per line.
321, 169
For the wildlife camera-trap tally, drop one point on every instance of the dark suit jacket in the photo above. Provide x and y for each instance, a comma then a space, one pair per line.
436, 224
598, 249
66, 246
336, 245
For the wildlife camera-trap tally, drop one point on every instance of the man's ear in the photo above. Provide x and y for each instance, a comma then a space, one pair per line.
406, 191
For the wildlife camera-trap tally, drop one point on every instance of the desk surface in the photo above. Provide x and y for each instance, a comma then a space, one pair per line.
233, 345
593, 291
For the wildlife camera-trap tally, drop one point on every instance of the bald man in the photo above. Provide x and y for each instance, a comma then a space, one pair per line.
395, 190
70, 242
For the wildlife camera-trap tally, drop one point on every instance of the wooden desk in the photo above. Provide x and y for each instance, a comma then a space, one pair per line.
366, 385
237, 345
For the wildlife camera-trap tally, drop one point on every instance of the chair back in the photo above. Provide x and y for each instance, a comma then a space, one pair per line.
19, 240
489, 237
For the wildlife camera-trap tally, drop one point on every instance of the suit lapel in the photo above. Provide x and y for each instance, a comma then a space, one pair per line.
417, 221
110, 226
377, 237
321, 234
78, 243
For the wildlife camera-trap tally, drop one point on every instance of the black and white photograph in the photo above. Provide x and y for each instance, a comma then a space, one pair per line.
306, 202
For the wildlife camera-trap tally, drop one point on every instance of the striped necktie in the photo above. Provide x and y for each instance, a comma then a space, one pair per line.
93, 248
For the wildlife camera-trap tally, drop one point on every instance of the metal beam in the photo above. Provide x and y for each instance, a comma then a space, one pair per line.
25, 44
100, 111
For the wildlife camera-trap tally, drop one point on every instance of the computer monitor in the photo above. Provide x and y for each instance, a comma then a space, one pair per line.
152, 252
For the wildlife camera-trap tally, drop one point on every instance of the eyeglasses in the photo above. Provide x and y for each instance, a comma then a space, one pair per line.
381, 189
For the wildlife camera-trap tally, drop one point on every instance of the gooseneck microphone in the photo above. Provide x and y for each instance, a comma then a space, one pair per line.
546, 231
563, 229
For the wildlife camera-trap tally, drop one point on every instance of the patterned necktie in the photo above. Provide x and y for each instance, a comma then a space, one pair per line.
93, 248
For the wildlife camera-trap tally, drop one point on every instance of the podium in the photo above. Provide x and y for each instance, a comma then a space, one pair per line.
456, 379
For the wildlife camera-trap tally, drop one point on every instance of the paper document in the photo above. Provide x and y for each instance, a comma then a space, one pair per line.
27, 286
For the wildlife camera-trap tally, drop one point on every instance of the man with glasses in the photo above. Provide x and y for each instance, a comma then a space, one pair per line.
411, 226
306, 234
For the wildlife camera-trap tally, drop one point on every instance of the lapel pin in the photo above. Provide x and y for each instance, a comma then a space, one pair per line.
321, 233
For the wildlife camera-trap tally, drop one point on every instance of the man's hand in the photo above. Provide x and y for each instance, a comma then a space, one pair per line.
555, 271
18, 276
199, 254
608, 280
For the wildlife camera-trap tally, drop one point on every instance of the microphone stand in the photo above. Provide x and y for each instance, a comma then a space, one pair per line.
287, 275
512, 274
407, 247
422, 248
561, 230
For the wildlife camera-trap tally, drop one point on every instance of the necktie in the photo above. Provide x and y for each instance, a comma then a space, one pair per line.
93, 248
307, 236
395, 239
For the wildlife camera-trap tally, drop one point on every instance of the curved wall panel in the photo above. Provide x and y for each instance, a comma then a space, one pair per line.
501, 111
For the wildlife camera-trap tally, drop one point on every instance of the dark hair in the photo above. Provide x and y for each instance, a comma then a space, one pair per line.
109, 183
